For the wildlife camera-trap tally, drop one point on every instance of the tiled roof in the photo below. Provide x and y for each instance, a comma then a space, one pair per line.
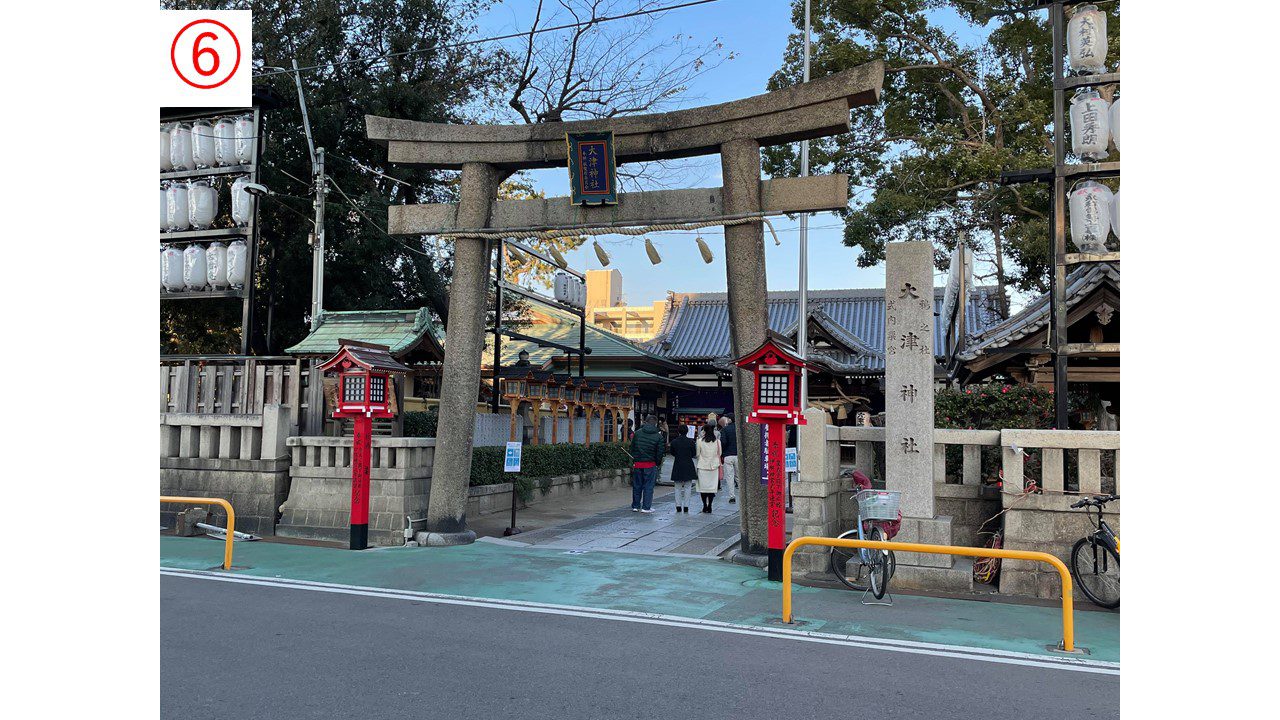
400, 330
604, 345
1034, 318
697, 330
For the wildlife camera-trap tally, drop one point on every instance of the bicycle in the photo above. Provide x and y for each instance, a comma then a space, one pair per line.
1095, 559
875, 508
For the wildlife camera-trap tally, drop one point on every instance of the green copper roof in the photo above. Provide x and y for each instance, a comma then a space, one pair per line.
402, 331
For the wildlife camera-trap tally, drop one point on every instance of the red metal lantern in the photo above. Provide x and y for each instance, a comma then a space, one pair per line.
365, 391
775, 404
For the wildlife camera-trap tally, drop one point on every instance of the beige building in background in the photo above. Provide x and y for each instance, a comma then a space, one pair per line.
605, 308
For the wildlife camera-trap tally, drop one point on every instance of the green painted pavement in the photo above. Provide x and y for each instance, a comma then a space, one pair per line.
684, 587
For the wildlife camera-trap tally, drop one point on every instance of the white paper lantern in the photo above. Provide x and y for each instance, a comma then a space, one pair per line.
1115, 122
164, 209
202, 144
241, 201
216, 261
237, 263
202, 199
177, 214
1087, 40
244, 132
180, 147
1090, 125
224, 142
1090, 216
195, 268
1115, 214
166, 164
171, 268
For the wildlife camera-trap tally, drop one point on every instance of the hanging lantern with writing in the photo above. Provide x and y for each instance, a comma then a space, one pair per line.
1087, 40
1090, 125
1115, 214
1090, 216
1115, 123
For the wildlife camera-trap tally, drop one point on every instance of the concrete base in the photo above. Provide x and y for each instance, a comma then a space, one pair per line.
751, 559
958, 578
930, 531
435, 539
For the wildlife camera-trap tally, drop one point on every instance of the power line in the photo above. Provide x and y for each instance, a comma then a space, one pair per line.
375, 225
477, 41
366, 168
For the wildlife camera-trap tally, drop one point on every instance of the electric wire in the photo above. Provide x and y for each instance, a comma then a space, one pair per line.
477, 41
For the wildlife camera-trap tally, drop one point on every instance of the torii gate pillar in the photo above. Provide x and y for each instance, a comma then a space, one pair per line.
748, 325
468, 298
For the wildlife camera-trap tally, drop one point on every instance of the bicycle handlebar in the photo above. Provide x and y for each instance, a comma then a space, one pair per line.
1095, 501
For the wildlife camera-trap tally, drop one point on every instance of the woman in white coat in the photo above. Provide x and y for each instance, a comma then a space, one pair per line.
708, 461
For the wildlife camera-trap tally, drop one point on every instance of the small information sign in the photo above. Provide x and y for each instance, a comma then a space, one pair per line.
793, 464
593, 176
511, 461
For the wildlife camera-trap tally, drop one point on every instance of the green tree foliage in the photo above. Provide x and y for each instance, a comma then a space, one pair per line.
364, 269
924, 163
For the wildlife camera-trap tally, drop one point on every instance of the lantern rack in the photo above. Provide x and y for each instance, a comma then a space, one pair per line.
1059, 176
249, 232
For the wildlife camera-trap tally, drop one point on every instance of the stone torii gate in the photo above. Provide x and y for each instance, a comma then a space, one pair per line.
487, 154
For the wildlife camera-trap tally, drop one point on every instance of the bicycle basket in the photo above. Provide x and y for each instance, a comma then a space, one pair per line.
877, 504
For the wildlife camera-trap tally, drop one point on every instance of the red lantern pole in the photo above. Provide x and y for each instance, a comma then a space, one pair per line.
776, 442
362, 442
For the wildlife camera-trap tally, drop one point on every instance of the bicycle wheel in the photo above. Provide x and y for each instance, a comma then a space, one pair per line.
840, 563
1096, 569
879, 573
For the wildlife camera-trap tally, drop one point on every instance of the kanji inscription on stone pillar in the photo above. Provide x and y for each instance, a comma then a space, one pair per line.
909, 367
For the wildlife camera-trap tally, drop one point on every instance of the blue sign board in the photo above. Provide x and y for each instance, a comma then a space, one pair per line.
593, 176
793, 464
511, 461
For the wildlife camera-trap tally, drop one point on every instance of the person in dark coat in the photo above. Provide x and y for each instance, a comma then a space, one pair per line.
648, 448
683, 470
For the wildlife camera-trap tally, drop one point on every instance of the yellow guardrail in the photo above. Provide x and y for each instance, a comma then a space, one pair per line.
231, 519
1068, 627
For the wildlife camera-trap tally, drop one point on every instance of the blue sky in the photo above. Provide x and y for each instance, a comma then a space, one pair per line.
755, 31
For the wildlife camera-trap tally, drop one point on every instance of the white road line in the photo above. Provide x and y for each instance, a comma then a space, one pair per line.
903, 646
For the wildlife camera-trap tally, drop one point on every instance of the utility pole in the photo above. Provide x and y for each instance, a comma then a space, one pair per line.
317, 176
802, 323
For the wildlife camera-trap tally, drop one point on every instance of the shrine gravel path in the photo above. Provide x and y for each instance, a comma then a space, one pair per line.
280, 652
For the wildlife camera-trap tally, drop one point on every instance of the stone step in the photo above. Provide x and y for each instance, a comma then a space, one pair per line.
957, 578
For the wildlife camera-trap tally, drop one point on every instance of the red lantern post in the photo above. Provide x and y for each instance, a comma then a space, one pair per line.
365, 390
775, 405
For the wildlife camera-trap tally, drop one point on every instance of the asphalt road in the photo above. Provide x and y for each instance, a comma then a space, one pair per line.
232, 650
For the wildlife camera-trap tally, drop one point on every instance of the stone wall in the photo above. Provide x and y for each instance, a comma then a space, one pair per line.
319, 503
240, 458
489, 499
968, 506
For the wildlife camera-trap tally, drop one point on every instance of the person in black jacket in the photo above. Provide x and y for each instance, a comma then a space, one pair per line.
729, 446
683, 470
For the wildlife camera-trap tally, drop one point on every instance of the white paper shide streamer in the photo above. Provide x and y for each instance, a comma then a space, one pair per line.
195, 268
1090, 207
237, 263
1087, 40
1090, 125
202, 198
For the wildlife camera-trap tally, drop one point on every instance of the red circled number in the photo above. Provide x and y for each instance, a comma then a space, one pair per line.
203, 52
197, 51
